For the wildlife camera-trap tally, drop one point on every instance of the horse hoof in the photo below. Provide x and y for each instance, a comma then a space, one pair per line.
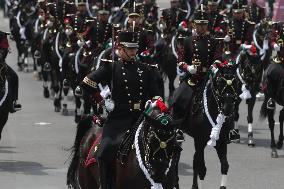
65, 112
57, 109
223, 187
46, 93
194, 187
274, 153
77, 119
251, 143
20, 68
279, 144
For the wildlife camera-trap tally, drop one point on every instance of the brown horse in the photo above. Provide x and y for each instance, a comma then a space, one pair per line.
146, 157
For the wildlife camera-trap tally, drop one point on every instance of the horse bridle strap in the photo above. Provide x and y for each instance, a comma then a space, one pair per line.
140, 160
163, 144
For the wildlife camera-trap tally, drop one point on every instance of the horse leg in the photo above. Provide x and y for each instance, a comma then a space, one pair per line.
281, 138
234, 135
56, 102
271, 122
46, 93
78, 111
64, 103
250, 103
199, 168
221, 149
171, 85
3, 121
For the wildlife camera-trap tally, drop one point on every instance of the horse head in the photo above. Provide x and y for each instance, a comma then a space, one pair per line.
159, 140
225, 88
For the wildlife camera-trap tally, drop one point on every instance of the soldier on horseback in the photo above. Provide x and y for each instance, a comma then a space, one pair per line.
130, 87
12, 75
255, 12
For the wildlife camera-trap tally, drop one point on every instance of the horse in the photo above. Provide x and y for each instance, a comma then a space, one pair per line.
165, 58
252, 61
151, 150
5, 96
250, 74
47, 59
215, 99
274, 92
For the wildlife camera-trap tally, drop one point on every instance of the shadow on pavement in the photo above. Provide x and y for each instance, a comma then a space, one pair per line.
7, 149
23, 167
184, 169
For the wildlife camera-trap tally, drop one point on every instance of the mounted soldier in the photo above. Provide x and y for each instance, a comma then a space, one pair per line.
130, 87
216, 25
199, 53
255, 13
12, 75
172, 17
239, 28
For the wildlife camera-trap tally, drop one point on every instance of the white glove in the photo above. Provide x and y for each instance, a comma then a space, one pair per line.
109, 104
49, 23
227, 38
41, 17
80, 43
194, 33
88, 43
68, 32
276, 47
192, 69
179, 72
246, 47
105, 92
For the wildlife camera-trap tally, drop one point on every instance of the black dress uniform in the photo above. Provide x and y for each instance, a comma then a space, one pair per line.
216, 23
255, 12
200, 53
131, 86
239, 30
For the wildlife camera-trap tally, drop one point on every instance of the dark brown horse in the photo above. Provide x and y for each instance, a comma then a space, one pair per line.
274, 93
209, 117
147, 157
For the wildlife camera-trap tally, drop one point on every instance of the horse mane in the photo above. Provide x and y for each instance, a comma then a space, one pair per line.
82, 128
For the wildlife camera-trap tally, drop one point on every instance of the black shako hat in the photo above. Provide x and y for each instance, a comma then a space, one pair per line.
200, 16
128, 39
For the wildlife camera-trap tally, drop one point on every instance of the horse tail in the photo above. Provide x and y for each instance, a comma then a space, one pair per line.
82, 128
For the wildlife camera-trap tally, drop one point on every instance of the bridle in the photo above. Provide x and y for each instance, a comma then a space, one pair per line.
218, 93
153, 138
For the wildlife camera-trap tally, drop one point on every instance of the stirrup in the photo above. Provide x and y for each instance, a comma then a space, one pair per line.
179, 136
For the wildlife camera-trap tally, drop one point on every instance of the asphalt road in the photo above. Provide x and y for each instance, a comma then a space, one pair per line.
35, 143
